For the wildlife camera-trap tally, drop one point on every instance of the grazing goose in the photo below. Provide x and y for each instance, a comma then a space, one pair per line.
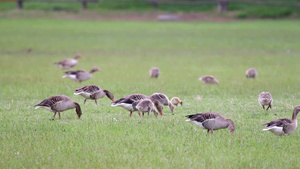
176, 101
251, 73
146, 105
69, 63
209, 80
80, 75
211, 121
93, 92
59, 104
163, 99
283, 126
154, 72
265, 99
126, 102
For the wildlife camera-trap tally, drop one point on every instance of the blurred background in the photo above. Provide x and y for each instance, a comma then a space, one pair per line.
163, 10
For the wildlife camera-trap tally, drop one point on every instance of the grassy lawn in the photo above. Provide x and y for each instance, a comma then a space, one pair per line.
125, 51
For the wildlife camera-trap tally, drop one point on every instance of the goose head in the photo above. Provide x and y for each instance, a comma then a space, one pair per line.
231, 126
95, 69
109, 95
296, 112
78, 110
77, 56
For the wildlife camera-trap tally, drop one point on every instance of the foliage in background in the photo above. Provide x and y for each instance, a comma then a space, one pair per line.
242, 10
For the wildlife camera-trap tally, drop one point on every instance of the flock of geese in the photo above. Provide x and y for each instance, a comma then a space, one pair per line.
145, 104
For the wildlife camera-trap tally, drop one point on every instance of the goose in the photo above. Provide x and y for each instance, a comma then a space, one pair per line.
251, 73
59, 104
209, 79
93, 92
69, 63
265, 99
80, 75
176, 101
146, 105
163, 99
154, 72
283, 126
211, 121
126, 102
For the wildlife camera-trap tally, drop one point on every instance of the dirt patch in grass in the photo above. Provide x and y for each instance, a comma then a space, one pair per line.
120, 15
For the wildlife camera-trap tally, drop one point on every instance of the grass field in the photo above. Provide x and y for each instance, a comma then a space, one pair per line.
125, 51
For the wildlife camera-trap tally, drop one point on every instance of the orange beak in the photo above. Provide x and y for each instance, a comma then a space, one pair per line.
231, 132
99, 70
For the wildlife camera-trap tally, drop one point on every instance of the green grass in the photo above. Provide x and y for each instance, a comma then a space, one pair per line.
125, 51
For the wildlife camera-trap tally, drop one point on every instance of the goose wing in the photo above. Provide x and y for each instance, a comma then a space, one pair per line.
91, 89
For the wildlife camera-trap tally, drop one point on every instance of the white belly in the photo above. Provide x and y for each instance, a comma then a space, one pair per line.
198, 124
70, 76
125, 106
275, 130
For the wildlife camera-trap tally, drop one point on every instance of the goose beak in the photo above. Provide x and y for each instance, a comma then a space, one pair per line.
231, 132
113, 100
99, 70
161, 113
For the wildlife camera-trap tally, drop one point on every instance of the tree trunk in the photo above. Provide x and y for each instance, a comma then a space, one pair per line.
222, 5
19, 4
84, 4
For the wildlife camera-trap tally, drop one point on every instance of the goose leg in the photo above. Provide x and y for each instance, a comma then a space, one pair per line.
59, 115
96, 102
139, 113
54, 115
263, 107
207, 131
212, 131
130, 113
84, 101
270, 106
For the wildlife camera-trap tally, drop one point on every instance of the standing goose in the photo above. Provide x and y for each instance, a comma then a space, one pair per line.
69, 63
163, 99
251, 73
127, 101
59, 104
283, 126
154, 72
80, 75
211, 121
93, 92
209, 80
265, 99
146, 105
176, 101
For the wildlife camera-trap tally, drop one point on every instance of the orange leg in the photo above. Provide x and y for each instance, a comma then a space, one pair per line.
130, 113
59, 115
84, 101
